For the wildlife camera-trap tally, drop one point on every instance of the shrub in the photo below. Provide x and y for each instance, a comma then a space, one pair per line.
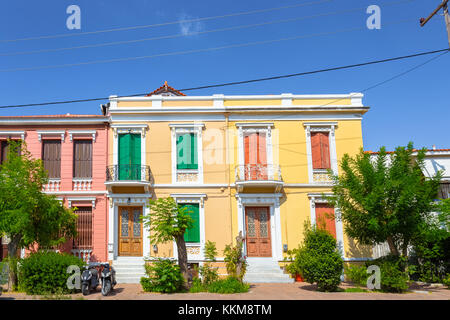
45, 272
228, 285
197, 286
207, 272
446, 281
319, 259
357, 274
431, 255
163, 276
3, 272
146, 284
236, 263
293, 268
394, 278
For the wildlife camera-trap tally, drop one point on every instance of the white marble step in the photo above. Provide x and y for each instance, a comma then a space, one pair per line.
264, 270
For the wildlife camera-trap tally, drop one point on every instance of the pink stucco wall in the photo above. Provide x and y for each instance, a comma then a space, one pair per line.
98, 190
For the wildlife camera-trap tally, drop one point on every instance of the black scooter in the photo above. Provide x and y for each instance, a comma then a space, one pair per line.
108, 277
90, 278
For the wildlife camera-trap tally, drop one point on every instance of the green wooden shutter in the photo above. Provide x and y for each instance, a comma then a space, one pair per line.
181, 152
129, 157
187, 157
193, 234
124, 156
135, 153
194, 153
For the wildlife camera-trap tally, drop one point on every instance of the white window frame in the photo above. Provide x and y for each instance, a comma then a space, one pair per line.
130, 128
329, 127
263, 127
197, 129
193, 198
319, 198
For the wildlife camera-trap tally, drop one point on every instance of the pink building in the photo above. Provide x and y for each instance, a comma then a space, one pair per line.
74, 150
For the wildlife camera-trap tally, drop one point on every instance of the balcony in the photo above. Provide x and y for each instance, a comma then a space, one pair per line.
129, 175
258, 176
53, 185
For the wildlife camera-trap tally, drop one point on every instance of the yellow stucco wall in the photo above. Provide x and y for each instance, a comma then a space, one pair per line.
289, 151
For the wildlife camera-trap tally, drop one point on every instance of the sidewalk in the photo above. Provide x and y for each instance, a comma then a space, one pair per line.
260, 291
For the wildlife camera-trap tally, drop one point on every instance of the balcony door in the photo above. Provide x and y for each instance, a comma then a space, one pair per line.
255, 156
130, 231
257, 224
129, 157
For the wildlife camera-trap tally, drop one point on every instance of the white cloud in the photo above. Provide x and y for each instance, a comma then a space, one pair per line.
188, 27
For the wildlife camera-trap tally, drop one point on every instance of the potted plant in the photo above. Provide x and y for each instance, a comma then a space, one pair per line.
295, 271
293, 267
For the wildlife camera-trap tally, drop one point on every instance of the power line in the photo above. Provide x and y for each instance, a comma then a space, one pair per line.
249, 81
175, 53
303, 4
444, 51
179, 35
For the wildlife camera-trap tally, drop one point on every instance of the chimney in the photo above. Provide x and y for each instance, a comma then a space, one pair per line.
434, 147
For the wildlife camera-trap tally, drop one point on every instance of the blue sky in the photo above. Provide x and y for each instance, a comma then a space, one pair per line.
414, 107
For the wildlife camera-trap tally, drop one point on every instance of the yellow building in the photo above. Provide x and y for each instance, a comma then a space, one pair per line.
255, 164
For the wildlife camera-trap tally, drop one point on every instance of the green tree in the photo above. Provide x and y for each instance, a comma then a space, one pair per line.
167, 222
27, 215
385, 199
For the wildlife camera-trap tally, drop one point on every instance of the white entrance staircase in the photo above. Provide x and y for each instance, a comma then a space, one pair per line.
129, 269
260, 270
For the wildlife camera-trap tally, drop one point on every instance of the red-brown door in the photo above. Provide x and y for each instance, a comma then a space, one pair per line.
130, 231
325, 218
257, 223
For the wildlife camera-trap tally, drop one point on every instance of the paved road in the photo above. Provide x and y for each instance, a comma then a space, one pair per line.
260, 291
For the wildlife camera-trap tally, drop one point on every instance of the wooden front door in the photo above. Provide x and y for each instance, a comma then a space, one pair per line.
130, 231
257, 224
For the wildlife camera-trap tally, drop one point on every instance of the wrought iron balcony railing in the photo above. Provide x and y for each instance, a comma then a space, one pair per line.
128, 172
258, 172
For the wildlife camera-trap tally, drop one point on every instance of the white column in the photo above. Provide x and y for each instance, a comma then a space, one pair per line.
146, 239
309, 154
279, 252
312, 205
111, 230
115, 147
174, 155
333, 152
339, 232
143, 154
200, 154
116, 231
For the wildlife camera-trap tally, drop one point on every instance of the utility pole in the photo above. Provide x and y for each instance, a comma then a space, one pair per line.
443, 5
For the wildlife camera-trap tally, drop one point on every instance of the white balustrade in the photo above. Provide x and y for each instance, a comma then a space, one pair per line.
82, 184
84, 254
53, 185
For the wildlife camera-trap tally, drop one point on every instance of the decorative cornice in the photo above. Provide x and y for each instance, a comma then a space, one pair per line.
92, 133
62, 133
13, 133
